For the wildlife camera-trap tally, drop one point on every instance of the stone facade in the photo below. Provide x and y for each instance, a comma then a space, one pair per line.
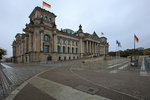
43, 42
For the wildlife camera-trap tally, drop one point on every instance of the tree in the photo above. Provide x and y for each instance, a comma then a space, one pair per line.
129, 52
112, 53
2, 53
146, 51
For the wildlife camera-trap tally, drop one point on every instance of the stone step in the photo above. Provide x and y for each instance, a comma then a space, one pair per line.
6, 84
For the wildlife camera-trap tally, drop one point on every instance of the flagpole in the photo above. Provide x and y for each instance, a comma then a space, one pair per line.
116, 53
134, 41
42, 4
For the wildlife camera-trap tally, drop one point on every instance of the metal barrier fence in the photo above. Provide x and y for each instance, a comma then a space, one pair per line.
147, 63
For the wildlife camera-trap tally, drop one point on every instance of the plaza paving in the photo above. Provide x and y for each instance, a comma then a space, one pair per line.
113, 79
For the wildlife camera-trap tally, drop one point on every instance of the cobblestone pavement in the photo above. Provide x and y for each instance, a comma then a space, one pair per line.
114, 79
15, 74
18, 73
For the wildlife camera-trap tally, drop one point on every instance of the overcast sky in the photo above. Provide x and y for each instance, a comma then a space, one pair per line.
117, 19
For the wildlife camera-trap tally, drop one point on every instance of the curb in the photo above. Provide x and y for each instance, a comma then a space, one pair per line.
18, 89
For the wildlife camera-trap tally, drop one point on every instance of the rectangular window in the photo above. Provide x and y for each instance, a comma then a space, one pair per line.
46, 49
68, 42
68, 50
72, 50
58, 40
76, 50
63, 49
76, 43
73, 43
58, 49
50, 20
63, 41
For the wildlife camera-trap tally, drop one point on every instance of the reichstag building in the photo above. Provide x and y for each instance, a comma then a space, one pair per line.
43, 42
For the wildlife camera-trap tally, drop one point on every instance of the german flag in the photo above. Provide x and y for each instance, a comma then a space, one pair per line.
46, 5
136, 38
102, 33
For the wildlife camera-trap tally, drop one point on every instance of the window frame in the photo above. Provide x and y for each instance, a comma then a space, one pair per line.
46, 37
64, 41
46, 48
64, 49
68, 50
76, 50
73, 43
68, 42
46, 17
58, 49
72, 50
58, 40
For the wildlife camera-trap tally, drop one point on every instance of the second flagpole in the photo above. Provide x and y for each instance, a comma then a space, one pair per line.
134, 41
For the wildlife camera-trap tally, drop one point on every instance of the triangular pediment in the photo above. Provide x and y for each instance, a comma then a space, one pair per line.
94, 35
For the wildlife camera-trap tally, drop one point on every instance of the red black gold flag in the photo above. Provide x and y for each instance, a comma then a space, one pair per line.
46, 5
136, 38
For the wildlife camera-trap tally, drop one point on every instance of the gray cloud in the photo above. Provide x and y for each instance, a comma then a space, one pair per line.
118, 19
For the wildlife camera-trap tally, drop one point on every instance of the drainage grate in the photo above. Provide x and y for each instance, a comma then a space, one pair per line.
87, 89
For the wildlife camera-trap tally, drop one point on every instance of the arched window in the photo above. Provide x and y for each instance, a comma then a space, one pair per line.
68, 50
50, 20
46, 38
59, 58
76, 50
49, 58
72, 50
41, 16
65, 58
58, 49
45, 17
63, 49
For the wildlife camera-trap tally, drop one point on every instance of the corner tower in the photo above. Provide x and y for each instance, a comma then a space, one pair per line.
42, 16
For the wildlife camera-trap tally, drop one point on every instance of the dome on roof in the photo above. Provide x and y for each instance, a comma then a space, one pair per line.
68, 31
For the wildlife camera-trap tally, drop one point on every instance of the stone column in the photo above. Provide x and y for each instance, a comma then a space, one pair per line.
55, 43
23, 45
66, 49
87, 47
27, 46
61, 49
34, 41
81, 47
104, 49
94, 47
30, 42
90, 46
19, 49
74, 50
98, 48
41, 41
